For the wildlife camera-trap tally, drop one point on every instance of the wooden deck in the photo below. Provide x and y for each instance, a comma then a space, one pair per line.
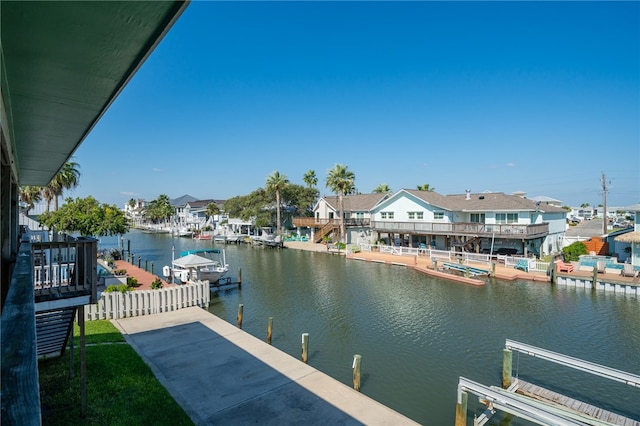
554, 398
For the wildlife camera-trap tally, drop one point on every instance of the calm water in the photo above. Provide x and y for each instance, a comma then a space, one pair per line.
417, 334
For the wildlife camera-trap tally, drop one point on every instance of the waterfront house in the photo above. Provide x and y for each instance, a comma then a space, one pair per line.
326, 214
632, 238
63, 64
483, 223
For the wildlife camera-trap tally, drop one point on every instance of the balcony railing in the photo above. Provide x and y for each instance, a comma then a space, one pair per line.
435, 228
312, 222
65, 269
463, 228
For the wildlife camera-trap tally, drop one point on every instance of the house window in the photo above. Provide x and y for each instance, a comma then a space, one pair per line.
412, 215
438, 215
360, 215
506, 217
383, 215
416, 215
477, 217
390, 214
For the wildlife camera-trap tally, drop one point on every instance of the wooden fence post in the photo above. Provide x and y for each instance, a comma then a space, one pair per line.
461, 410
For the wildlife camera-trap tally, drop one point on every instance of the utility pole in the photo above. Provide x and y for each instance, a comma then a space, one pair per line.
605, 219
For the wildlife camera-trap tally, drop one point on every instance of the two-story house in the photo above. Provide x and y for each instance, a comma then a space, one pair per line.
326, 220
485, 222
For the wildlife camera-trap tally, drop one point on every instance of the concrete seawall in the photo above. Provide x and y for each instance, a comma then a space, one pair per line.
220, 374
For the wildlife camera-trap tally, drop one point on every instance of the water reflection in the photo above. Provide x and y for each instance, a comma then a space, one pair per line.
417, 334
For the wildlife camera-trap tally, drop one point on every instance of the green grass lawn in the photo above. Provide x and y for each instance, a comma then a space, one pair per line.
121, 389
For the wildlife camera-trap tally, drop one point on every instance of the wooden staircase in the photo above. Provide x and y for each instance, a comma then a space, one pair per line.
53, 329
325, 230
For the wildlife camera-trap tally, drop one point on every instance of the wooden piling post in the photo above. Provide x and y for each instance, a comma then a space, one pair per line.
239, 277
146, 264
129, 246
151, 268
269, 330
554, 273
466, 272
435, 265
507, 368
240, 310
357, 359
139, 259
493, 269
305, 347
594, 285
461, 410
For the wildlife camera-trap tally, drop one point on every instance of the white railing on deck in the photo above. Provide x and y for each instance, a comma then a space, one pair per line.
147, 302
447, 255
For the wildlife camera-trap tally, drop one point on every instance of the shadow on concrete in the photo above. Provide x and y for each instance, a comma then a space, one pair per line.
217, 382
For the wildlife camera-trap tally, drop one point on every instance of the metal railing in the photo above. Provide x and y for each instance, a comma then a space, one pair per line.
463, 228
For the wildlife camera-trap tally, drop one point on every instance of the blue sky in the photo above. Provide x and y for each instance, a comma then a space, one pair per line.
540, 97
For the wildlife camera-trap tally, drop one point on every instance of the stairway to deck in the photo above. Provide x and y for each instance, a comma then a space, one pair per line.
325, 230
52, 330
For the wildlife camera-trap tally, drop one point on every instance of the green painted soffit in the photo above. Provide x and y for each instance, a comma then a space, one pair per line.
64, 63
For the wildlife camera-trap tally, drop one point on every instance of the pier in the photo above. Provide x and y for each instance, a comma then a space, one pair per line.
220, 374
537, 404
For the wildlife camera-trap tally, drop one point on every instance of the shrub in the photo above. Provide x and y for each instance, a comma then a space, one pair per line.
341, 246
574, 251
120, 272
156, 284
114, 288
132, 282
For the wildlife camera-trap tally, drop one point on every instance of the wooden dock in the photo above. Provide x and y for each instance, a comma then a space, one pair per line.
550, 397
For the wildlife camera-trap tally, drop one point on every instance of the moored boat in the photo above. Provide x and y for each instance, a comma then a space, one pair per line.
193, 265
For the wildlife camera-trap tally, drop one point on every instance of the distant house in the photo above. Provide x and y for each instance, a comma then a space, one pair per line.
326, 220
632, 238
193, 214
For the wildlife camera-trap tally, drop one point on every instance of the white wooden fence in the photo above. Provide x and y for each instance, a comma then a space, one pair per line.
146, 302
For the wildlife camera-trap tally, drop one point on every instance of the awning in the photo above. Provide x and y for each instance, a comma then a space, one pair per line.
629, 237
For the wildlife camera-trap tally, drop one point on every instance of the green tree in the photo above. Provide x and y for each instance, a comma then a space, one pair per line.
252, 207
425, 187
583, 205
132, 203
310, 179
159, 209
341, 181
298, 200
573, 251
67, 178
212, 209
276, 183
383, 188
87, 217
30, 195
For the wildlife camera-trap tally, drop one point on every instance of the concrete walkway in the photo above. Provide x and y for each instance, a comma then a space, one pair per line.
220, 374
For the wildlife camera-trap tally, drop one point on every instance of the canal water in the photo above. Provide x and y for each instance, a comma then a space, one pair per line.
417, 335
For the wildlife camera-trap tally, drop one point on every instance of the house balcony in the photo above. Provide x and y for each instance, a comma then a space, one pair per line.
312, 222
508, 231
48, 282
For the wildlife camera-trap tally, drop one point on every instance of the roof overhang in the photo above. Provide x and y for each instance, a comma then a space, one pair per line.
62, 64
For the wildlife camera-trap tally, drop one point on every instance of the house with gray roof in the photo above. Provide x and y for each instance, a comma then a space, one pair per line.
483, 223
326, 220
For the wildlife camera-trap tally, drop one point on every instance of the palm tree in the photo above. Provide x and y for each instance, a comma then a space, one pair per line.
66, 178
425, 187
310, 178
383, 188
276, 182
341, 181
30, 195
212, 209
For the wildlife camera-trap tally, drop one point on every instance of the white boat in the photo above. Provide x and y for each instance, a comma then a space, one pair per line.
198, 265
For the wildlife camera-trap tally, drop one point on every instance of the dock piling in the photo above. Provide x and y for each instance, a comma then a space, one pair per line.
507, 368
461, 408
239, 277
146, 265
240, 311
269, 330
305, 347
357, 359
